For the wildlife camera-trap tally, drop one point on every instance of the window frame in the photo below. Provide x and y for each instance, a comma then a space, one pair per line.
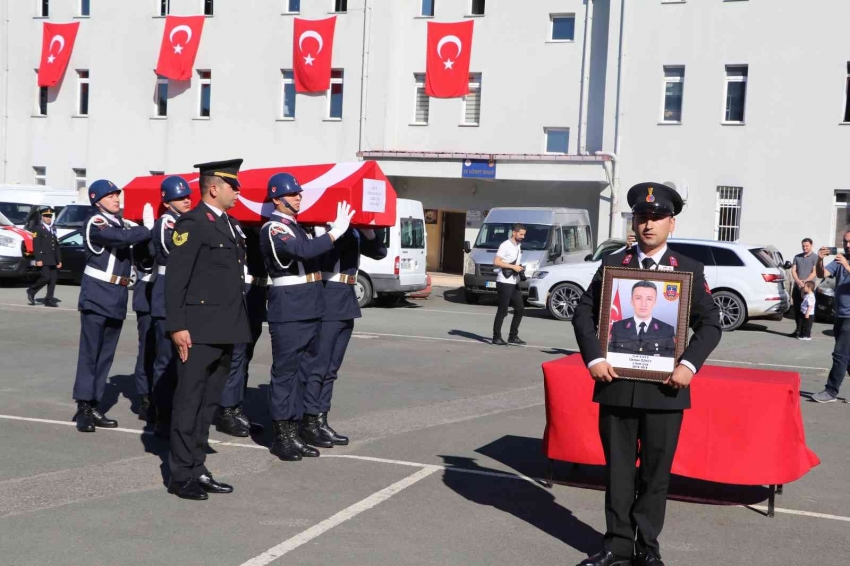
422, 13
419, 83
42, 8
552, 18
40, 175
42, 95
289, 9
160, 4
160, 81
336, 5
284, 82
471, 6
340, 80
475, 82
672, 80
83, 91
204, 82
728, 80
80, 11
211, 4
725, 200
79, 176
546, 131
846, 119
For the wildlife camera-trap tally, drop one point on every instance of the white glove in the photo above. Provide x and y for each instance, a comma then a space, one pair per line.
147, 216
320, 230
368, 232
129, 224
344, 213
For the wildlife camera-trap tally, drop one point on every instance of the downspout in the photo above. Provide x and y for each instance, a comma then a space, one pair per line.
585, 79
5, 137
363, 77
615, 185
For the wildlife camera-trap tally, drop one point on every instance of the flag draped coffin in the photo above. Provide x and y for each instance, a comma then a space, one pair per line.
361, 184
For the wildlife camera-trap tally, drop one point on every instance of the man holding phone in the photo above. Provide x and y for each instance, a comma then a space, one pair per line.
840, 270
507, 286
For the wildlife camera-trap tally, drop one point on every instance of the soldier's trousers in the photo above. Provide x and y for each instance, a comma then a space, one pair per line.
49, 274
199, 383
237, 380
164, 368
98, 339
295, 353
147, 353
333, 342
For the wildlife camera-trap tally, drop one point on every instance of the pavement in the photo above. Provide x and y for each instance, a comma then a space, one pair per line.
446, 447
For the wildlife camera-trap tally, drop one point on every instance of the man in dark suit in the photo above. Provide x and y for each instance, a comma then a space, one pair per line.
206, 315
642, 334
632, 411
48, 257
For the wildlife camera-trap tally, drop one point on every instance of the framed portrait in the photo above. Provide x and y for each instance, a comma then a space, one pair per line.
430, 216
643, 321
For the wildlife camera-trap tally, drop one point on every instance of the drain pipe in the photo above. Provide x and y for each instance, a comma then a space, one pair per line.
5, 137
585, 79
614, 182
615, 186
363, 76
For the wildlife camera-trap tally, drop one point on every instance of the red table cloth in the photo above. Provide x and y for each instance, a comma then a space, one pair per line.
744, 426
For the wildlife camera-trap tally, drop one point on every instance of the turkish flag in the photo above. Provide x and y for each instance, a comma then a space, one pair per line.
180, 40
447, 61
57, 43
312, 51
616, 311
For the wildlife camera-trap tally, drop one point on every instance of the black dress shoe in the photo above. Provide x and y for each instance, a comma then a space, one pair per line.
284, 447
647, 559
145, 412
50, 303
229, 424
516, 340
208, 484
30, 297
253, 428
329, 433
310, 432
84, 417
498, 341
101, 420
606, 558
187, 489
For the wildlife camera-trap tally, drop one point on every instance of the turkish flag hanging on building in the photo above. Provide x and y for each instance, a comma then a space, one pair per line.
180, 41
57, 43
447, 61
312, 51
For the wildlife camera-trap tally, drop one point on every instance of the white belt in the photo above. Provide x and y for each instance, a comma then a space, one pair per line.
340, 278
287, 280
106, 277
160, 269
258, 282
147, 277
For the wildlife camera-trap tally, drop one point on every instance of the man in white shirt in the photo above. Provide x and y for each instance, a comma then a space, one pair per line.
507, 286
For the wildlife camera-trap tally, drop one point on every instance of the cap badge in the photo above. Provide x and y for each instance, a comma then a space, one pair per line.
650, 197
92, 195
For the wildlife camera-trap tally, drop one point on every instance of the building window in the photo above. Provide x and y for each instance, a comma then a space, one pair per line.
428, 8
164, 7
155, 173
288, 107
847, 96
674, 88
736, 93
476, 8
293, 6
341, 6
472, 102
727, 223
41, 98
335, 95
79, 179
208, 7
206, 91
563, 27
557, 140
44, 8
40, 175
421, 101
85, 8
160, 97
82, 93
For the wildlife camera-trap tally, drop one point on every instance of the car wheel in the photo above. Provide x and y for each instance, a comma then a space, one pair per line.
733, 311
471, 298
390, 299
363, 291
563, 300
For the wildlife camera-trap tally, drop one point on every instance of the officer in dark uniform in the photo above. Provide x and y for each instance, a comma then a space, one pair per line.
103, 299
142, 288
643, 334
295, 309
232, 419
48, 257
206, 315
176, 197
339, 275
632, 411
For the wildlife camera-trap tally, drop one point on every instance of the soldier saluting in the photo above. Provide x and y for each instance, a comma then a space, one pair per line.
206, 315
632, 411
48, 257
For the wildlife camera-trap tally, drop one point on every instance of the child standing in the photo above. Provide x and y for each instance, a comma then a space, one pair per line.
807, 308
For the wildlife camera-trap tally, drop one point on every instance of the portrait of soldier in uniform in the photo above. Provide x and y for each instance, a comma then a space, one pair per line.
643, 333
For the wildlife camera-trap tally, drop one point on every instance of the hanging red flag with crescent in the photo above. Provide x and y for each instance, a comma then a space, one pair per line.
57, 43
447, 60
312, 54
180, 41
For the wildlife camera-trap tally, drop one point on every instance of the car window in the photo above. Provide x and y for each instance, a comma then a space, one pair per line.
763, 256
556, 245
492, 234
696, 252
607, 248
16, 212
73, 239
73, 215
725, 257
412, 233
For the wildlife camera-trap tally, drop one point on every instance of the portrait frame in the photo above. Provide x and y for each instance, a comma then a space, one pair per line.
671, 285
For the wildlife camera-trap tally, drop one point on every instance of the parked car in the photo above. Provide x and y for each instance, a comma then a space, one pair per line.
744, 280
73, 257
825, 300
784, 265
72, 217
21, 203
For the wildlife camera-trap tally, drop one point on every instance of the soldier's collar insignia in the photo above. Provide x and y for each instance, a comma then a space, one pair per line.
178, 238
674, 262
650, 197
210, 217
627, 260
707, 288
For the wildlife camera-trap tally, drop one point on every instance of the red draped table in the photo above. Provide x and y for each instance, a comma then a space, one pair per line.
744, 426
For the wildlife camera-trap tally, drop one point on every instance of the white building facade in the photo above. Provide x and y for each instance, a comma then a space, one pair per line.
553, 83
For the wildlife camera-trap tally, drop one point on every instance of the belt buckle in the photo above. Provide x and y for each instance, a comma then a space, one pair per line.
317, 276
124, 281
350, 279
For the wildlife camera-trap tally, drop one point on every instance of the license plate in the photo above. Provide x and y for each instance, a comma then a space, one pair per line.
490, 284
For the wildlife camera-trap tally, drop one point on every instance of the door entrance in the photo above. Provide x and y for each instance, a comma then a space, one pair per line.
454, 231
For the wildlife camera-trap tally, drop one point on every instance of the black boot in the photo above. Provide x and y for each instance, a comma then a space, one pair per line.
84, 417
101, 420
254, 428
229, 424
329, 433
311, 433
145, 412
284, 446
30, 297
303, 448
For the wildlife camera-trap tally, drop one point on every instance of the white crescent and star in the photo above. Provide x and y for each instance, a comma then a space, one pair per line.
315, 35
184, 28
55, 39
448, 63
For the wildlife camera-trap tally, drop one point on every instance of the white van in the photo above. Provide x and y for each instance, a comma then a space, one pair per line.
403, 270
15, 249
20, 203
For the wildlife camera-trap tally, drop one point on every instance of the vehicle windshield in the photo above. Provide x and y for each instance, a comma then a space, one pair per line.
15, 212
606, 248
492, 235
73, 215
4, 221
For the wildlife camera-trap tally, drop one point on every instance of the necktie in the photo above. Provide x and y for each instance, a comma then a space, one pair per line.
648, 263
642, 331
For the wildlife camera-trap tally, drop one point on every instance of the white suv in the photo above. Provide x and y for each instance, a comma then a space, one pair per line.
745, 281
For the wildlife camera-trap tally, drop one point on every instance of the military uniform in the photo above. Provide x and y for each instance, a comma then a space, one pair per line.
632, 411
205, 296
142, 288
102, 303
656, 338
45, 248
